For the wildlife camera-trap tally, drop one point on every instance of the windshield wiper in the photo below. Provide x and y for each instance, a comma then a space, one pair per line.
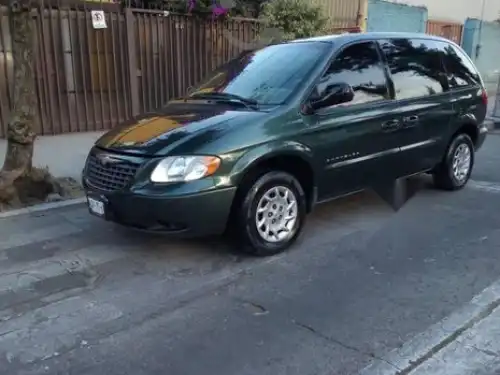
223, 96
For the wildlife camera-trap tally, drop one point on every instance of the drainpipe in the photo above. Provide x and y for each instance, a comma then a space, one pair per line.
362, 14
480, 32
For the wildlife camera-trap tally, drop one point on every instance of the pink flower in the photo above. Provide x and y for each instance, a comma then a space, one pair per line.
218, 10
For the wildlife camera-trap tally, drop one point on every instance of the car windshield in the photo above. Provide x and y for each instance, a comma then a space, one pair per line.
268, 76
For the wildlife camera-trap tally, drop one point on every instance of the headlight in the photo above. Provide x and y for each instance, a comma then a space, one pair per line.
185, 168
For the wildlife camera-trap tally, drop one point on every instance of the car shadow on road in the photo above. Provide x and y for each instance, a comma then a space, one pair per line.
327, 223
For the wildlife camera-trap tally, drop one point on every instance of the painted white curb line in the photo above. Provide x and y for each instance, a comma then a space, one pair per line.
42, 207
422, 347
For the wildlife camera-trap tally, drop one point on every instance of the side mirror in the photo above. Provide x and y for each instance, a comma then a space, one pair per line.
335, 94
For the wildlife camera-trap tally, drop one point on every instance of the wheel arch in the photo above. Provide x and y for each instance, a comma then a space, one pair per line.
291, 157
467, 125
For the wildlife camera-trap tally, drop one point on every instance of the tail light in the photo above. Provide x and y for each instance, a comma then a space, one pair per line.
484, 97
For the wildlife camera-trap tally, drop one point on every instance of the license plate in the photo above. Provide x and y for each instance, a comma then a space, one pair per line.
96, 206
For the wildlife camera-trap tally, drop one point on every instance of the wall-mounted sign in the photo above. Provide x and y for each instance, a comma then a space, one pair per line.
98, 19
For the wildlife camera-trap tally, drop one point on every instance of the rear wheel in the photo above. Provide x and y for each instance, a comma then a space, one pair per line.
271, 214
454, 171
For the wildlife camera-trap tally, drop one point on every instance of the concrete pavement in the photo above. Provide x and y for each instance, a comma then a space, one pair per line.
476, 352
80, 296
466, 342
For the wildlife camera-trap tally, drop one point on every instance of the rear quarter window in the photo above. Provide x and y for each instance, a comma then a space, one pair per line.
416, 67
460, 70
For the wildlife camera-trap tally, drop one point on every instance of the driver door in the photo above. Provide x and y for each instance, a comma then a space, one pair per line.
355, 141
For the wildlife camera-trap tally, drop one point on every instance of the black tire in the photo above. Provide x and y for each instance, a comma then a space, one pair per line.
443, 176
246, 210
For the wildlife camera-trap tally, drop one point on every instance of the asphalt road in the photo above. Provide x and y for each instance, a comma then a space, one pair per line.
80, 296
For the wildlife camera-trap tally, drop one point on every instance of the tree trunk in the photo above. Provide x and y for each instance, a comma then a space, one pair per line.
20, 133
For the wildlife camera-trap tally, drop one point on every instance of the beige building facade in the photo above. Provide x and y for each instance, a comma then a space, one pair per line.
458, 10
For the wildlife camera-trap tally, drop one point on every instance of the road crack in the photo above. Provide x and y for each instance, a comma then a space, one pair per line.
486, 351
343, 345
258, 308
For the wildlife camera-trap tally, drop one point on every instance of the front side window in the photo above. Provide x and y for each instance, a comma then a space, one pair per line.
358, 65
461, 72
416, 67
269, 76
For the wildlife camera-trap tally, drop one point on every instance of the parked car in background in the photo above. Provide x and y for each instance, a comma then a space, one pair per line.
266, 137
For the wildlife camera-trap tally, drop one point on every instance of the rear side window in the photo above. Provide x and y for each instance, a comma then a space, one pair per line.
360, 66
461, 72
416, 67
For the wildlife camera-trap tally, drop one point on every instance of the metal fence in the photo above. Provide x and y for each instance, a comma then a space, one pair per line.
481, 40
93, 79
449, 30
343, 14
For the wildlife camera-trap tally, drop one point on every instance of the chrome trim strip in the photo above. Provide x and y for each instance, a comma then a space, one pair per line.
381, 153
417, 145
363, 158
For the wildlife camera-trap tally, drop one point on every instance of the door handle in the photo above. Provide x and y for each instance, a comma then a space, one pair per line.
410, 119
391, 125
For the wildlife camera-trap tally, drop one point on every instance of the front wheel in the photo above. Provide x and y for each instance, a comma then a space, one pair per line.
271, 214
456, 167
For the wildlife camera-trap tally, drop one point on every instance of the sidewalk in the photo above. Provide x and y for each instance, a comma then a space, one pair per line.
63, 154
464, 343
477, 352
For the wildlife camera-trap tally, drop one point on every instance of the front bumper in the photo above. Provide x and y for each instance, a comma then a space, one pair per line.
192, 215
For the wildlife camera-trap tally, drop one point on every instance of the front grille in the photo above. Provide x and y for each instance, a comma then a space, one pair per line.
109, 176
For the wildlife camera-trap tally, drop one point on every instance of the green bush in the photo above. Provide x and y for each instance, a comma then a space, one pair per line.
295, 18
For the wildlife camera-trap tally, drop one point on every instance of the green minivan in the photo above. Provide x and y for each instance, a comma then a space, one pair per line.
263, 139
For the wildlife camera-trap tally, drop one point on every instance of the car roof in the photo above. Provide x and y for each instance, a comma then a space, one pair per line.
352, 37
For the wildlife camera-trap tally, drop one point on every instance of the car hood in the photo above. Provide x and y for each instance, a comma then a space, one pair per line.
185, 126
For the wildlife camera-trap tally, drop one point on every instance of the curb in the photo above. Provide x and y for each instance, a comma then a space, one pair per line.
494, 122
423, 346
493, 125
42, 207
